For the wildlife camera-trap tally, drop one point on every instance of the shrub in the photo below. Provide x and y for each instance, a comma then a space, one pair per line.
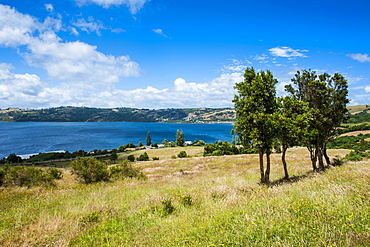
2, 176
90, 170
125, 170
143, 157
353, 156
199, 143
121, 148
337, 161
28, 176
182, 154
167, 207
131, 158
186, 200
54, 173
155, 158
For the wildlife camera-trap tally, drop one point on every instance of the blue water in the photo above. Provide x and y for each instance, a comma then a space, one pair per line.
34, 137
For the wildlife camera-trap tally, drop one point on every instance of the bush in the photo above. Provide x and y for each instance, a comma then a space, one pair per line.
353, 156
182, 154
2, 176
54, 173
199, 143
155, 158
90, 170
125, 170
131, 158
28, 176
121, 148
143, 157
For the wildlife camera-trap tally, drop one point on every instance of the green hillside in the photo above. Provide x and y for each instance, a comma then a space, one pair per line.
87, 114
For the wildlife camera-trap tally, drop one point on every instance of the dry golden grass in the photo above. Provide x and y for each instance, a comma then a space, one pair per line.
356, 133
228, 206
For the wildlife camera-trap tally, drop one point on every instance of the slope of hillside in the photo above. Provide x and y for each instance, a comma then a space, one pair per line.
199, 201
87, 114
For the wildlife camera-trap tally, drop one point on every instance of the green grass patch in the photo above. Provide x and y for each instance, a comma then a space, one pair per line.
214, 201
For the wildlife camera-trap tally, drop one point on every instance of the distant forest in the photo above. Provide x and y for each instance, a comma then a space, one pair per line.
88, 114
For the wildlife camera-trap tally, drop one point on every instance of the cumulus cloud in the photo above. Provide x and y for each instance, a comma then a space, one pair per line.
133, 5
363, 58
49, 7
28, 91
89, 26
287, 52
69, 61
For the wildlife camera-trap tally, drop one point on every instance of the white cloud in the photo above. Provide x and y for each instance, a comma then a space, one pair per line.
89, 26
363, 58
49, 7
118, 30
20, 89
69, 61
287, 52
160, 32
28, 91
133, 5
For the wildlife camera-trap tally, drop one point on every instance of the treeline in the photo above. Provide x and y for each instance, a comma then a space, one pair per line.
309, 115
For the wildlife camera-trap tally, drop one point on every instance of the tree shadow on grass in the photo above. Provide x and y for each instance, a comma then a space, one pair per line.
291, 180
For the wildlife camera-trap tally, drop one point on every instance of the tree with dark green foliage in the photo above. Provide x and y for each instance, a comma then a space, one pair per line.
143, 157
148, 139
13, 158
180, 138
131, 158
326, 95
90, 170
293, 118
113, 155
255, 106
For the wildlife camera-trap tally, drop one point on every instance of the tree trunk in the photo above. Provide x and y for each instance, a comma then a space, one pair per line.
284, 162
313, 156
262, 170
320, 158
327, 159
267, 173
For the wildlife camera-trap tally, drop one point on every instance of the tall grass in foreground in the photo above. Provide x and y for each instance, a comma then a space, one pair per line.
201, 201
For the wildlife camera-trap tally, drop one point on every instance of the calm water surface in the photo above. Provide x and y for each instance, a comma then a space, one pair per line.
34, 137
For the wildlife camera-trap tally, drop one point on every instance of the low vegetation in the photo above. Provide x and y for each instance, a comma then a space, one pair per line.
198, 201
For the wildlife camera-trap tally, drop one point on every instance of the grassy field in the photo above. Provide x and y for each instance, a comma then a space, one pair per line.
197, 201
357, 108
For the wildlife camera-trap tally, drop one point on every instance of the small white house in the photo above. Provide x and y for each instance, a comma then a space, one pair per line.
188, 143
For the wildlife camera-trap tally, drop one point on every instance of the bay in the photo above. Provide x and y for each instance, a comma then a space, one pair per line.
36, 137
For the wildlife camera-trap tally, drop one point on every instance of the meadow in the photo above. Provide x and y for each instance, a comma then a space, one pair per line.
197, 201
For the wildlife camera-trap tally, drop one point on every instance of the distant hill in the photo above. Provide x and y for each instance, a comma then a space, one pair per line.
360, 113
358, 109
88, 114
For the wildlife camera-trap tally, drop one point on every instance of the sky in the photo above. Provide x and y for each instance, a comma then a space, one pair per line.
173, 53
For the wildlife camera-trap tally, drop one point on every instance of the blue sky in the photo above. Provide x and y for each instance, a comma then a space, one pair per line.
173, 54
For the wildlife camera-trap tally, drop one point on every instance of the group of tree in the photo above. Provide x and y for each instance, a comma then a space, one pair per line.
309, 115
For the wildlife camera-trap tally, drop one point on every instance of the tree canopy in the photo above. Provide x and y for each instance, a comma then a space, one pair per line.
255, 105
309, 115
